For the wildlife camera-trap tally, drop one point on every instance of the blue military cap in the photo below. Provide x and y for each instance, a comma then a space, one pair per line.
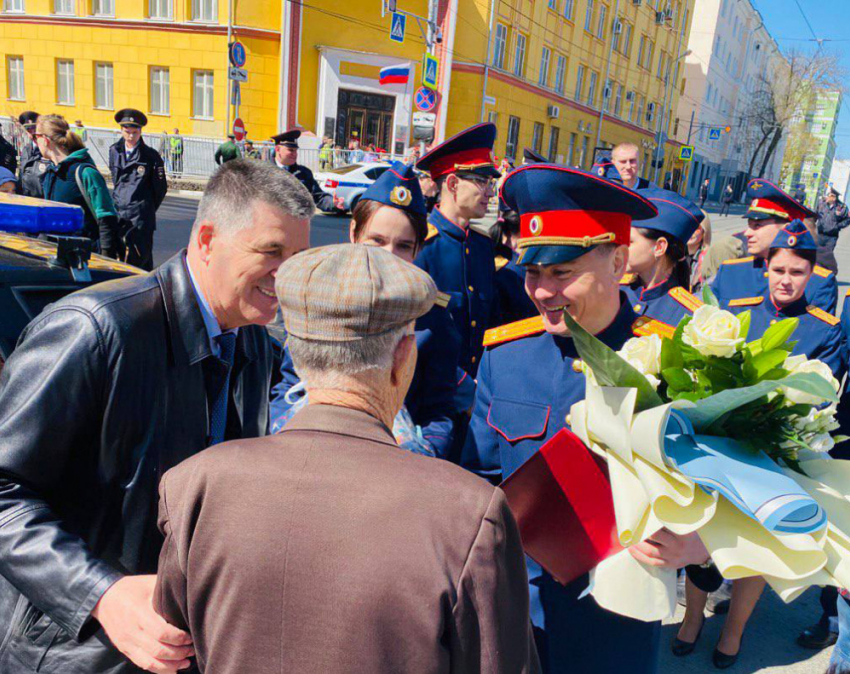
605, 168
794, 236
769, 201
131, 117
288, 138
677, 216
398, 187
529, 156
470, 151
566, 212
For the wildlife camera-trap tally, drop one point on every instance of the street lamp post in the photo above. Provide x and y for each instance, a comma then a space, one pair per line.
665, 114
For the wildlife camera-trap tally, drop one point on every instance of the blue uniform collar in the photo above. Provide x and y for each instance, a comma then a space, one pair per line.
656, 291
446, 226
798, 308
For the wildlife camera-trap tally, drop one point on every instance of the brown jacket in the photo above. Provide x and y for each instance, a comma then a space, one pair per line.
328, 549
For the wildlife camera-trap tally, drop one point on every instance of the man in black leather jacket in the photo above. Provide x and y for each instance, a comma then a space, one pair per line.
108, 389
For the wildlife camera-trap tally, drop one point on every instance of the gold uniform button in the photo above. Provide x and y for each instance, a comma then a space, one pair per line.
473, 324
471, 289
467, 251
568, 420
637, 307
577, 365
773, 321
474, 359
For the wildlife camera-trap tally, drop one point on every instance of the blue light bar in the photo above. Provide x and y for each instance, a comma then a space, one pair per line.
37, 216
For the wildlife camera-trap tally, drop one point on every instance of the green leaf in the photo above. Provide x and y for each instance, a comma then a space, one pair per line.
768, 360
609, 368
671, 354
744, 320
778, 333
678, 378
708, 296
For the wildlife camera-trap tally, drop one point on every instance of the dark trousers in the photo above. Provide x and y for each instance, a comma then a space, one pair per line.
826, 252
139, 243
724, 209
702, 200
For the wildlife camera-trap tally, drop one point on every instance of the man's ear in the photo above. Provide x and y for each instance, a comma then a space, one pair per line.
450, 183
620, 259
405, 350
203, 239
351, 231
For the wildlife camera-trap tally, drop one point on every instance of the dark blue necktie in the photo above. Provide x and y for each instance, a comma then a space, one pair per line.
218, 421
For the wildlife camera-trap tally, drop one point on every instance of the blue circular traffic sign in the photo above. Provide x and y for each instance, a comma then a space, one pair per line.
425, 99
238, 55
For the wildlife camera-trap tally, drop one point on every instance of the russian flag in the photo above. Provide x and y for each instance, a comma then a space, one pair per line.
395, 74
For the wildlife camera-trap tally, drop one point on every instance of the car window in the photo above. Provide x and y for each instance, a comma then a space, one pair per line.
375, 173
346, 169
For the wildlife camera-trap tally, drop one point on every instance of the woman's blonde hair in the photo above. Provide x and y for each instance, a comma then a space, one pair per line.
58, 131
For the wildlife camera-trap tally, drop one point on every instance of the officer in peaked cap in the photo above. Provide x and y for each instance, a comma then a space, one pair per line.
529, 156
605, 168
574, 238
286, 158
770, 210
430, 399
459, 259
658, 272
32, 165
140, 185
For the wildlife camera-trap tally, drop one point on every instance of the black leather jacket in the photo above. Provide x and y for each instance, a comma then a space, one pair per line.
106, 391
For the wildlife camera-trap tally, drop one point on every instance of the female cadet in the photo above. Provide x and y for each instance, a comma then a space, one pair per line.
391, 215
658, 259
514, 302
790, 264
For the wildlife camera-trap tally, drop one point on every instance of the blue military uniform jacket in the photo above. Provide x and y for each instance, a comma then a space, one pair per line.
431, 398
514, 302
461, 264
818, 335
139, 183
665, 302
747, 277
526, 388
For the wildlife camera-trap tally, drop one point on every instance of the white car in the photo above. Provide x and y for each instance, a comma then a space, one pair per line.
349, 182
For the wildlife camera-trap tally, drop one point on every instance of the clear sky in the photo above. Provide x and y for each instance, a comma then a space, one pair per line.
830, 21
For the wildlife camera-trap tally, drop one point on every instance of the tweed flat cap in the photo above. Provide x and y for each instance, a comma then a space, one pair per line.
350, 291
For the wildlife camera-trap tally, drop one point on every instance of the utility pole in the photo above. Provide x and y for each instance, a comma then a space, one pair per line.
662, 130
607, 72
489, 57
227, 68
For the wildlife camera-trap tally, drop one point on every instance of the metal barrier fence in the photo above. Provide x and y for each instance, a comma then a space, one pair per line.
197, 159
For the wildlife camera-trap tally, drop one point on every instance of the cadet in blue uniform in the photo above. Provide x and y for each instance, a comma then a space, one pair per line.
459, 259
770, 210
286, 158
574, 244
659, 273
139, 186
391, 214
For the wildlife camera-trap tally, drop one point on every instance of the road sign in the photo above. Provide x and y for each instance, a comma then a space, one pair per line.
430, 68
238, 75
714, 134
686, 152
425, 99
424, 119
397, 27
239, 129
489, 100
238, 55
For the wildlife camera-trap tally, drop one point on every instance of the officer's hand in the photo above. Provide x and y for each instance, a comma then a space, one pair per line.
665, 549
126, 613
339, 203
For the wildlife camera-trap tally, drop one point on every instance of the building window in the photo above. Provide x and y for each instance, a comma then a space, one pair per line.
607, 92
493, 117
103, 7
588, 17
627, 40
519, 55
618, 101
513, 137
600, 26
632, 106
500, 46
583, 156
615, 38
205, 10
13, 5
63, 7
591, 89
560, 73
579, 82
160, 9
568, 9
641, 50
660, 73
553, 5
203, 97
15, 78
640, 120
160, 103
537, 137
650, 48
554, 135
103, 86
571, 149
544, 67
65, 82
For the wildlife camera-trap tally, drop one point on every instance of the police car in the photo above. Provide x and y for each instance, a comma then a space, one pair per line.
36, 272
349, 182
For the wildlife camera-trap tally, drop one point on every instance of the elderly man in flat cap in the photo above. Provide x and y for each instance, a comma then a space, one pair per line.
326, 548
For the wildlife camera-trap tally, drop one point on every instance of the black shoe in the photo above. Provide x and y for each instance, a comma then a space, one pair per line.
722, 660
817, 637
682, 648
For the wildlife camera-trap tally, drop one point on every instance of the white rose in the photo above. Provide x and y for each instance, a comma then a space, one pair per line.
643, 354
796, 364
713, 332
822, 442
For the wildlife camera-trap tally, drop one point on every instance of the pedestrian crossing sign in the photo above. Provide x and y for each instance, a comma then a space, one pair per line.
430, 67
714, 134
397, 28
686, 152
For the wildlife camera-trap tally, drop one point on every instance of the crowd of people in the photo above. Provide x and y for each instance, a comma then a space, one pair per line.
330, 505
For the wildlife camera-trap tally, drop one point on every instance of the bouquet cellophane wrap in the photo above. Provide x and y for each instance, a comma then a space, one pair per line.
649, 494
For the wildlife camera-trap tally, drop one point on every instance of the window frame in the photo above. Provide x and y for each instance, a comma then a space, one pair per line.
169, 4
568, 10
579, 91
588, 17
19, 8
59, 77
591, 88
554, 135
500, 46
196, 5
560, 74
519, 54
537, 137
155, 70
545, 62
210, 88
110, 89
600, 24
60, 6
97, 8
512, 139
16, 76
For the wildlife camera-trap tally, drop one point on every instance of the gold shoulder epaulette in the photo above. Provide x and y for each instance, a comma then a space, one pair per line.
511, 331
432, 232
825, 316
739, 260
686, 299
501, 261
848, 293
628, 279
645, 326
746, 301
823, 272
443, 300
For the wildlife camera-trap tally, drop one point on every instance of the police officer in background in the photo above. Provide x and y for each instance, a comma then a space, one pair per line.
32, 165
8, 155
139, 186
832, 218
286, 158
626, 159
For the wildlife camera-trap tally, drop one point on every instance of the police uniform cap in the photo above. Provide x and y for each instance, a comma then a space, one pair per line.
532, 157
470, 151
794, 236
131, 117
28, 118
769, 201
398, 187
677, 216
605, 168
288, 138
347, 292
